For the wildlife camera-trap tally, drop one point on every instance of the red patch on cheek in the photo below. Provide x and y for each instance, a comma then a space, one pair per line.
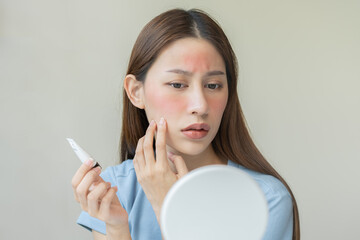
161, 105
218, 105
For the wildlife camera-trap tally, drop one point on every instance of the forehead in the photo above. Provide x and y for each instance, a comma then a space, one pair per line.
190, 54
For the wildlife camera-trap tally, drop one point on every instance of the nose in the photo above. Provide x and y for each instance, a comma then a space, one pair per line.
197, 102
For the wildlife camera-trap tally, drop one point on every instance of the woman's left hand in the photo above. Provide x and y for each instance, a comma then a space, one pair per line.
154, 174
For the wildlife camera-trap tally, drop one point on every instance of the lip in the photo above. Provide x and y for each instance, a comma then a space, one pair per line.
196, 130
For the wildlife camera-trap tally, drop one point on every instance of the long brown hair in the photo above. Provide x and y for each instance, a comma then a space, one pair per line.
233, 140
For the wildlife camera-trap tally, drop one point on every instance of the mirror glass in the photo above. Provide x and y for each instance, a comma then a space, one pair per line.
214, 202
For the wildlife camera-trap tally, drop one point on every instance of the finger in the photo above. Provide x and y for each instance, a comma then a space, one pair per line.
79, 175
83, 188
161, 155
110, 197
95, 197
96, 182
139, 155
179, 164
137, 168
148, 144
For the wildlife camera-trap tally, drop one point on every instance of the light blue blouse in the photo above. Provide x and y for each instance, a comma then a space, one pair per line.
142, 220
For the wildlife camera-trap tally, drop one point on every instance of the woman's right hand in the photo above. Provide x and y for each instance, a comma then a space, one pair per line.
99, 199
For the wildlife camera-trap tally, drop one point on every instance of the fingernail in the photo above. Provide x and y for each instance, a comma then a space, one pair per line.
89, 162
97, 170
152, 122
162, 121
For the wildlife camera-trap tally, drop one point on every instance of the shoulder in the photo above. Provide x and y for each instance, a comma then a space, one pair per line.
123, 175
270, 185
123, 169
122, 172
279, 200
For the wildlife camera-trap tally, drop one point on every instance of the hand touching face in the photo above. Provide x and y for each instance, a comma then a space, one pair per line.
152, 168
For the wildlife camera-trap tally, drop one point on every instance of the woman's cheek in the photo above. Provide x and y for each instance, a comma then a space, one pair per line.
162, 105
168, 107
218, 106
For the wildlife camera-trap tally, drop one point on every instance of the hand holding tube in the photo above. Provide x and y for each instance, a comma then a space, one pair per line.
99, 199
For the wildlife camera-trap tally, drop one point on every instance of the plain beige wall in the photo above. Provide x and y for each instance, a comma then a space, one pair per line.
61, 70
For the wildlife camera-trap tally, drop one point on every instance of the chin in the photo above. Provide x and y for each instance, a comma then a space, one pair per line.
190, 149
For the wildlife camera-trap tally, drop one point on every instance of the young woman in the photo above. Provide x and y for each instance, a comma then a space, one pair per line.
181, 89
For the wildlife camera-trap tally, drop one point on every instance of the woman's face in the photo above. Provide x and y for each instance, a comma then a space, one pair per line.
187, 85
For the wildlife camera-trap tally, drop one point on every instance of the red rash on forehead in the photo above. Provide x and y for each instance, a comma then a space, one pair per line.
197, 61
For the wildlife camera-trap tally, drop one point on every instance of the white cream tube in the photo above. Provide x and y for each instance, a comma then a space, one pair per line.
80, 153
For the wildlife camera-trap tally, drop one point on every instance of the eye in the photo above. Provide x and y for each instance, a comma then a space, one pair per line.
213, 86
177, 85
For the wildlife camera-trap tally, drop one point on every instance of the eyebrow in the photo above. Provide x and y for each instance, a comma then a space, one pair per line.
187, 73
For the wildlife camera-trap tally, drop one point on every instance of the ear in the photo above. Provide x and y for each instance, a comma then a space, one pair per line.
134, 91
